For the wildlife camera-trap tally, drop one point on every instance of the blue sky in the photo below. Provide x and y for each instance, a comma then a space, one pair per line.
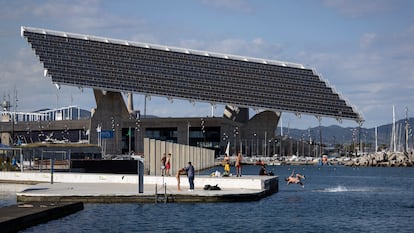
364, 48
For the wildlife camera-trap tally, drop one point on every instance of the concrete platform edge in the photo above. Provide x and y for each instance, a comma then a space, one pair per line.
20, 218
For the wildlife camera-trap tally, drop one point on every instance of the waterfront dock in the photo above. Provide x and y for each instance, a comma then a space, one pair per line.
114, 188
15, 218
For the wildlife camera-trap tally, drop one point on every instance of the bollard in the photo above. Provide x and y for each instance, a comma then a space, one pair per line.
52, 161
140, 176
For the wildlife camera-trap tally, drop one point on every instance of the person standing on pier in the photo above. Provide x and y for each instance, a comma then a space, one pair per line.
190, 174
177, 175
226, 169
163, 160
238, 164
168, 165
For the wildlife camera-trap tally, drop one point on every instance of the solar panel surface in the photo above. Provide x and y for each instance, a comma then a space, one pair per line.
84, 61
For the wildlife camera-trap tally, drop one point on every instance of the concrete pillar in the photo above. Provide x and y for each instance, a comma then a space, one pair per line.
159, 151
153, 158
130, 105
175, 159
109, 114
147, 156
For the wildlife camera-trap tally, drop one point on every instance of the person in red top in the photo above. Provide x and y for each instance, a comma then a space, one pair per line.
163, 160
168, 165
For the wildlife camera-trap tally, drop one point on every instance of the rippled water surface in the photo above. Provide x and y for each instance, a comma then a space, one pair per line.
334, 199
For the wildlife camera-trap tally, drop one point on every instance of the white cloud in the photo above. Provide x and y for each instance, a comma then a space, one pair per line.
24, 73
89, 17
374, 78
256, 47
358, 8
66, 8
366, 40
193, 44
234, 5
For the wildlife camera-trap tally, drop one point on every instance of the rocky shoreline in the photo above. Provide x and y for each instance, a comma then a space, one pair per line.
383, 159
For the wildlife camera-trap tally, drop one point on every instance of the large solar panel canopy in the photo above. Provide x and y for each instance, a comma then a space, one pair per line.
125, 66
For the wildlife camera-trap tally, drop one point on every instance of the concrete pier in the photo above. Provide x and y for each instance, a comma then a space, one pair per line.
114, 188
19, 217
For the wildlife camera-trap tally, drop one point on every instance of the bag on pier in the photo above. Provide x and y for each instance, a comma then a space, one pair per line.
209, 187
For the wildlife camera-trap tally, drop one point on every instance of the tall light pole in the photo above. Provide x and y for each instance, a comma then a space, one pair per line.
265, 146
203, 131
251, 147
188, 133
225, 139
257, 144
236, 132
138, 130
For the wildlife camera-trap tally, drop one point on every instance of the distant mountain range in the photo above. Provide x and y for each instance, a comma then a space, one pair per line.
338, 135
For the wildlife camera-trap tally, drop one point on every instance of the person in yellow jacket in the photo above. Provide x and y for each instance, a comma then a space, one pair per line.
226, 169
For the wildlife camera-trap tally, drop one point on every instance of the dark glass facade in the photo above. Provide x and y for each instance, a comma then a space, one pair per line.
163, 134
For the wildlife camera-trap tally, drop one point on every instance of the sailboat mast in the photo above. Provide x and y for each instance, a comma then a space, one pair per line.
406, 130
376, 139
393, 138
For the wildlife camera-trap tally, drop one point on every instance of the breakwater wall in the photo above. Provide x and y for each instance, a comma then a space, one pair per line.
384, 159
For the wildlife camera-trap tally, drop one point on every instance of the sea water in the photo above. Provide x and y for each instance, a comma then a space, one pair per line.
334, 199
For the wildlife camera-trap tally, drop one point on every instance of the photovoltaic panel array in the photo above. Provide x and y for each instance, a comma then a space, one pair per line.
116, 65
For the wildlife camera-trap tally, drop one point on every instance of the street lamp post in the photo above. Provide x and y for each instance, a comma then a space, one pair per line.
257, 143
138, 130
320, 137
251, 147
188, 133
225, 139
236, 132
203, 131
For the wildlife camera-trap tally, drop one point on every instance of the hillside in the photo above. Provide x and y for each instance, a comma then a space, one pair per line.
338, 135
